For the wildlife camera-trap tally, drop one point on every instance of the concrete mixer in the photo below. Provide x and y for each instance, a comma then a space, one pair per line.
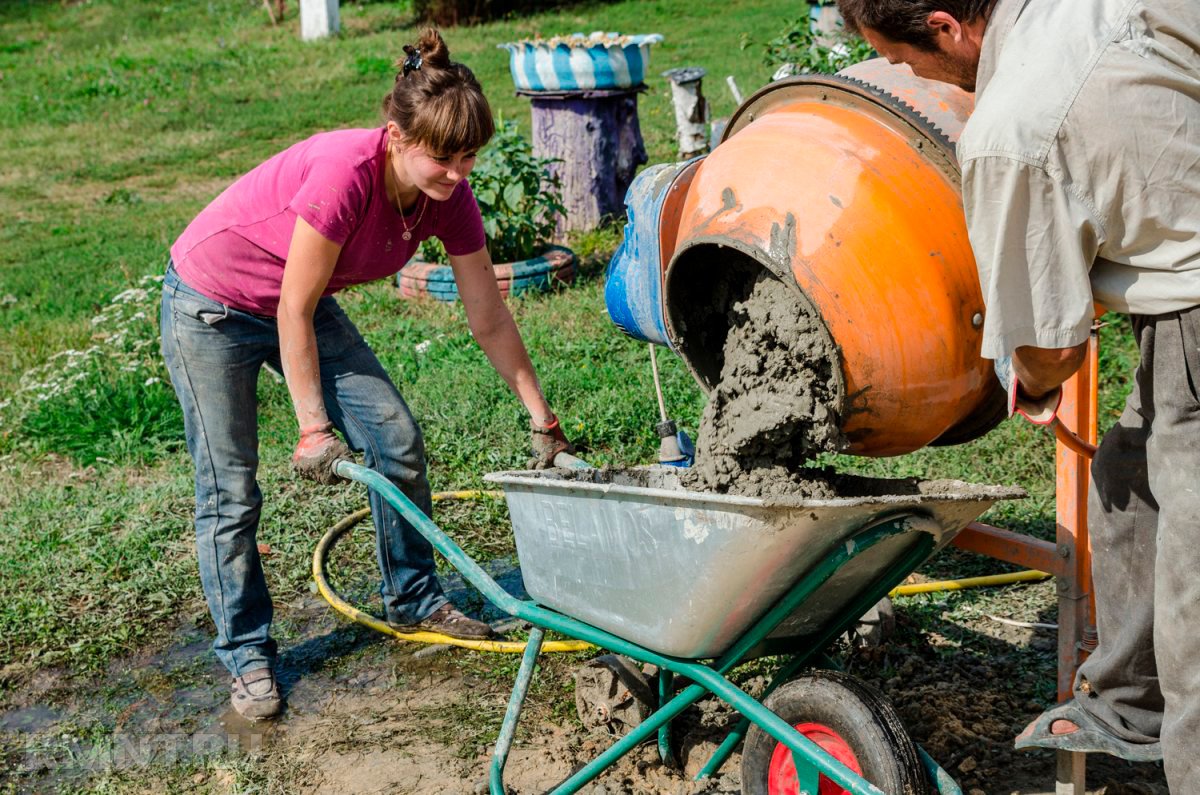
845, 187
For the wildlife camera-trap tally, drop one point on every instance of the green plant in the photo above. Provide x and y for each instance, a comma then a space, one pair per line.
519, 198
807, 52
108, 402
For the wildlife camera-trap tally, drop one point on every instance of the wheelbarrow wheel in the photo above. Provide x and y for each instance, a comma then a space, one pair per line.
850, 721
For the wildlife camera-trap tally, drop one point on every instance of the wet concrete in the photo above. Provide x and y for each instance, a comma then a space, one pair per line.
774, 407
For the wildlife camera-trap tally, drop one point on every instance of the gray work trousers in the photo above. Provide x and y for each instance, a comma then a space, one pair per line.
1144, 518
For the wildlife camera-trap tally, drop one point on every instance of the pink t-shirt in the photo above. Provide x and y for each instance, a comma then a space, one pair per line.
234, 250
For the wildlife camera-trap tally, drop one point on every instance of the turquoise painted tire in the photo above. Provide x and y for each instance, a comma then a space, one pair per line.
539, 274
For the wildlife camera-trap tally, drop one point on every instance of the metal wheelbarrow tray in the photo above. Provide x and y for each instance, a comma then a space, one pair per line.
696, 584
685, 573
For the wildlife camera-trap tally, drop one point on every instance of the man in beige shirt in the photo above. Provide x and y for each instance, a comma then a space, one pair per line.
1081, 184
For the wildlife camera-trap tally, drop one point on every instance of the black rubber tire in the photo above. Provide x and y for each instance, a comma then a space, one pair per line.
864, 719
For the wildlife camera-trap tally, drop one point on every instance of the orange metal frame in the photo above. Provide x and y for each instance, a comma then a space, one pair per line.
1069, 558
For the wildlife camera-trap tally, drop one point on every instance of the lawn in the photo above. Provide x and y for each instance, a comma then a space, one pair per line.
118, 122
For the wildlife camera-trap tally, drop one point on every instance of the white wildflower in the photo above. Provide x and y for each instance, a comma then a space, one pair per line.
423, 346
149, 381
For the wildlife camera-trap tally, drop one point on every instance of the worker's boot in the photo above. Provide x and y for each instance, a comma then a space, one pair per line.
255, 694
447, 620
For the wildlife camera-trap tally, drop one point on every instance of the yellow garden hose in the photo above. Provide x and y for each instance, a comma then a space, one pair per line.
339, 604
1032, 575
349, 611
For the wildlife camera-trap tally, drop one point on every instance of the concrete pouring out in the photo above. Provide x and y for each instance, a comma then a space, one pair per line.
774, 407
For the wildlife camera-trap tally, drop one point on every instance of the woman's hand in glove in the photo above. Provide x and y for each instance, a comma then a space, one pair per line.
316, 453
548, 441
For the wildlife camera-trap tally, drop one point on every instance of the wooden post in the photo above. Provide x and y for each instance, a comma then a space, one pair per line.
596, 140
318, 19
691, 110
826, 23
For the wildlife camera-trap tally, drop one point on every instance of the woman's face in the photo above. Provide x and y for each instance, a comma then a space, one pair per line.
434, 175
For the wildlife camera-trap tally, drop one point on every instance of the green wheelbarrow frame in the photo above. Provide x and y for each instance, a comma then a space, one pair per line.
811, 761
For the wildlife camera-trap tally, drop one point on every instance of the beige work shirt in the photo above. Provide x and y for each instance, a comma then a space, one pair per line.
1081, 165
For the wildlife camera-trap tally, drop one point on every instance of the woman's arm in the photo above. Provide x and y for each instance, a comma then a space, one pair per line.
493, 327
496, 332
310, 262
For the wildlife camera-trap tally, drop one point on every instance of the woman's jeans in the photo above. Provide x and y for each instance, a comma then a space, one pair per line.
214, 354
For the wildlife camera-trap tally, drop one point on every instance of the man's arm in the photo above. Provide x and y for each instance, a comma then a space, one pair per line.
1034, 243
1042, 370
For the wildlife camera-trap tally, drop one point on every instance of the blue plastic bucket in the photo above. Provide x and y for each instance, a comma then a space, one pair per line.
633, 291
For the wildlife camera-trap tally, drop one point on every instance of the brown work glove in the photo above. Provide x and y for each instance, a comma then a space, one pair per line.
316, 453
548, 441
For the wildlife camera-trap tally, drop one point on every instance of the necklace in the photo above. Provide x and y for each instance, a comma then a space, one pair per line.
407, 234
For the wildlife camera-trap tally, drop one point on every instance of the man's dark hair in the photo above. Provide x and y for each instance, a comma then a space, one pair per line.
903, 21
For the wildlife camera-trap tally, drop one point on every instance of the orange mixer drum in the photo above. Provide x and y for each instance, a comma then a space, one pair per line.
843, 187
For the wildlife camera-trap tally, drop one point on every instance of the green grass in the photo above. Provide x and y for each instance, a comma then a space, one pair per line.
120, 120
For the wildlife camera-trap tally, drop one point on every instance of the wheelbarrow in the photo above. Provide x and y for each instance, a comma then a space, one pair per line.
695, 584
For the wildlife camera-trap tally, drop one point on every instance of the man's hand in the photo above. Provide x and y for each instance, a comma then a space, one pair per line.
548, 441
1038, 409
318, 450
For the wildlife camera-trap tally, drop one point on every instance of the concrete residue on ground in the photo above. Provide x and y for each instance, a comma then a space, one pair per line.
775, 405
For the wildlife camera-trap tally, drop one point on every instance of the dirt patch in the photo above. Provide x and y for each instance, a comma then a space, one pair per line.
370, 715
774, 407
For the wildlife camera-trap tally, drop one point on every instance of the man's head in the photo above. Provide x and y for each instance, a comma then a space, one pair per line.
939, 39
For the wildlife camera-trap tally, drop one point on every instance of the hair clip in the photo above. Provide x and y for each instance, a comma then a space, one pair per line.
413, 61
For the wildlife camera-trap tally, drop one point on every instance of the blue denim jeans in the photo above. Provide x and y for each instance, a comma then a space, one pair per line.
214, 354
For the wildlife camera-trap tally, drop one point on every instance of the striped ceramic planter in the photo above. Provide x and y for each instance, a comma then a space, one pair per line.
578, 62
429, 280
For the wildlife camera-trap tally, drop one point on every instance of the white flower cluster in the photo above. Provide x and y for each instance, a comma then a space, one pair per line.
124, 340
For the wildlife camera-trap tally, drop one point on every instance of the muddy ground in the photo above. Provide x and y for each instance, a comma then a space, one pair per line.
368, 714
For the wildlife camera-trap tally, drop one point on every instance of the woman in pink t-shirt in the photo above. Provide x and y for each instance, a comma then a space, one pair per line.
251, 283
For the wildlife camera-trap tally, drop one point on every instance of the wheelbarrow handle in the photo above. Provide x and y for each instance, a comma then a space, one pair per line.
568, 461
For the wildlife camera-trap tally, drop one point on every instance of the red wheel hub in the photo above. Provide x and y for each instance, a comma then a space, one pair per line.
781, 775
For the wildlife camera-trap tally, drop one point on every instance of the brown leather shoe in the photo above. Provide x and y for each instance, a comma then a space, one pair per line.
447, 620
255, 695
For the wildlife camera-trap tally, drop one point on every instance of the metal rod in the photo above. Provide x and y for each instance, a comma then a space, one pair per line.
508, 729
907, 562
666, 683
1074, 584
640, 734
942, 780
662, 405
1016, 548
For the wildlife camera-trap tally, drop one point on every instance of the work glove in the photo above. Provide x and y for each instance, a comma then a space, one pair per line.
316, 453
1041, 410
548, 442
